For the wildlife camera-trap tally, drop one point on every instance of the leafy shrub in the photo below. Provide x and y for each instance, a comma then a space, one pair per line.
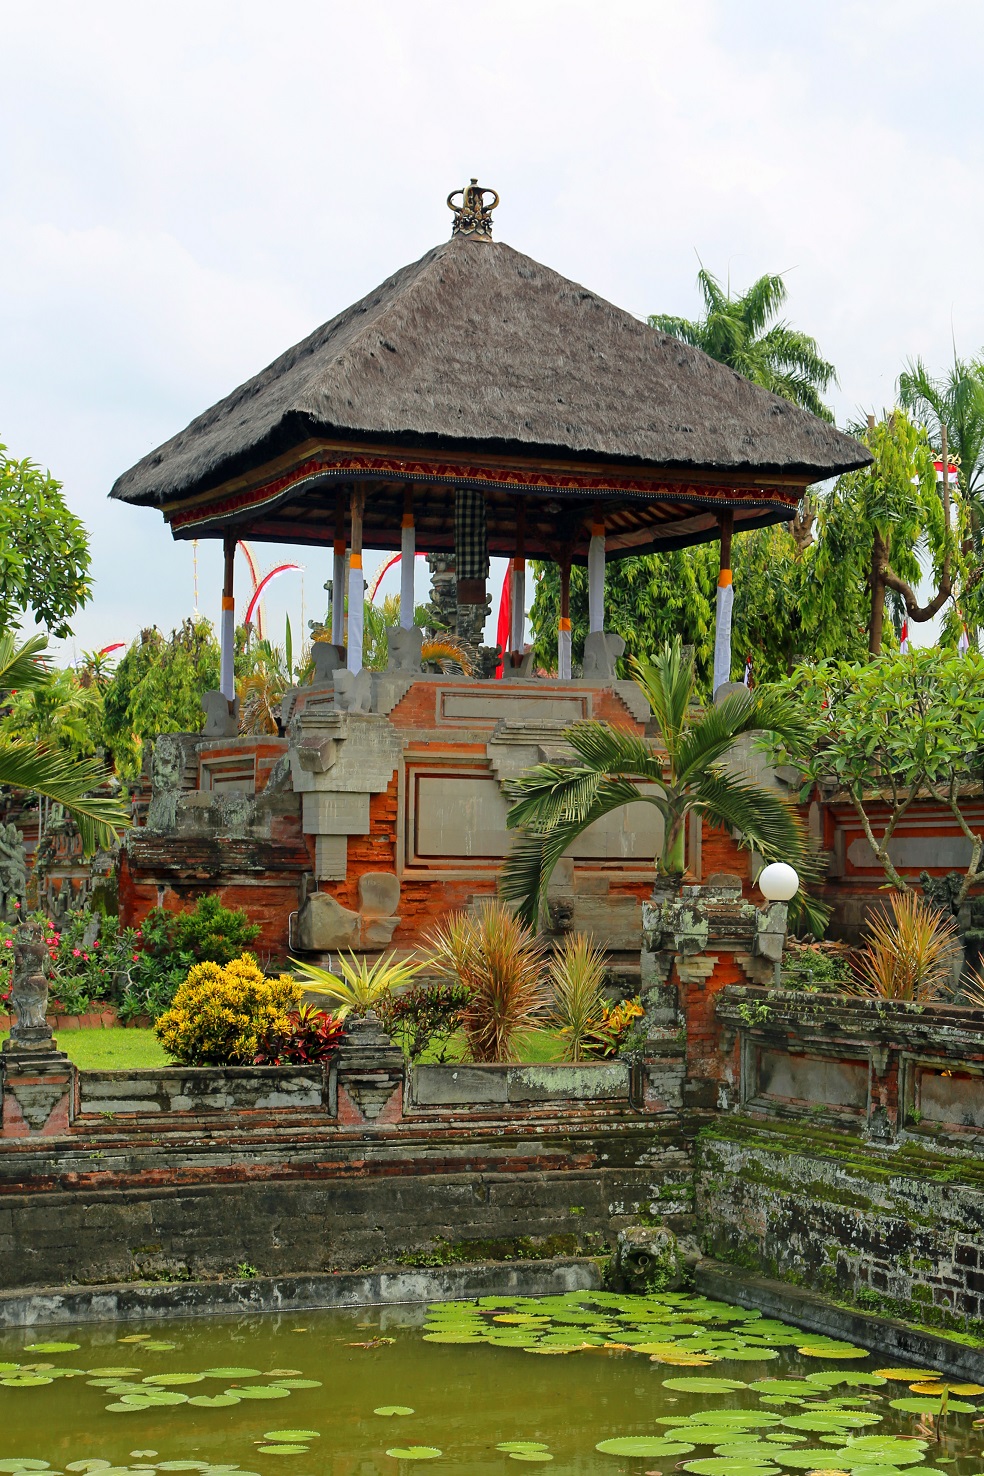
910, 953
311, 1036
577, 981
207, 932
817, 968
362, 986
222, 1012
617, 1030
501, 964
424, 1017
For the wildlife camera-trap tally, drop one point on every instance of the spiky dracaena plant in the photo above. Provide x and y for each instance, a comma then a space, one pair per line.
909, 954
682, 771
577, 1008
359, 986
501, 964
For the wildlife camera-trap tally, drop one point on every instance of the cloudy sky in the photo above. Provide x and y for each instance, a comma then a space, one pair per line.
188, 188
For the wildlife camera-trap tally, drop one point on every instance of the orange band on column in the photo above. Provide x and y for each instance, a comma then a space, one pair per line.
407, 520
519, 566
724, 578
564, 624
355, 561
339, 546
597, 530
228, 603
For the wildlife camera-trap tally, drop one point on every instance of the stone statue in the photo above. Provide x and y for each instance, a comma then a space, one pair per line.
601, 651
166, 771
404, 648
353, 693
326, 660
29, 994
13, 871
221, 716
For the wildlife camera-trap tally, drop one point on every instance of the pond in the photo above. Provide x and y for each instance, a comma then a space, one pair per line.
585, 1382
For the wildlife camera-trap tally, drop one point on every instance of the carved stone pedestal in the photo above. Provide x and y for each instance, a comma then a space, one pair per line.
370, 1074
38, 1086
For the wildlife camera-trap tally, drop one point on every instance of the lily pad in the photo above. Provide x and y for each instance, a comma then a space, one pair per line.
938, 1388
112, 1373
261, 1391
282, 1449
52, 1347
833, 1350
415, 1453
26, 1381
523, 1447
159, 1346
723, 1466
135, 1338
25, 1463
165, 1380
292, 1435
810, 1459
906, 1375
95, 1464
213, 1401
297, 1384
530, 1455
400, 1409
231, 1373
704, 1385
641, 1445
924, 1405
120, 1408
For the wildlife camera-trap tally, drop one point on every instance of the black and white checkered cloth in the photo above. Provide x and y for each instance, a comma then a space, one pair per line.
471, 541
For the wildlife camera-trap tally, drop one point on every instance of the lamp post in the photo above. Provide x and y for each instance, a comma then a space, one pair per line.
778, 884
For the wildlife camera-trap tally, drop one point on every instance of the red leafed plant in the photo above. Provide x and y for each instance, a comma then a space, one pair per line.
314, 1036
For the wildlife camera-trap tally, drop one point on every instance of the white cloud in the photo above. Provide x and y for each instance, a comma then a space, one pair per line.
185, 190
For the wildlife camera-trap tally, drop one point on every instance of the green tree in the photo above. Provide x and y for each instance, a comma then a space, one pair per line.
682, 771
736, 331
889, 730
56, 774
44, 552
885, 514
158, 687
954, 402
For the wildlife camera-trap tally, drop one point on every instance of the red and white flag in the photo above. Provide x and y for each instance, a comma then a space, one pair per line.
952, 470
904, 637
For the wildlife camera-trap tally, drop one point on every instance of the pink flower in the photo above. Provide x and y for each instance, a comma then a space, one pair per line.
136, 958
85, 957
8, 942
76, 953
17, 904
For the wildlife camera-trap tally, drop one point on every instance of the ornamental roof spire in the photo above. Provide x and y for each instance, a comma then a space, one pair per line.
473, 217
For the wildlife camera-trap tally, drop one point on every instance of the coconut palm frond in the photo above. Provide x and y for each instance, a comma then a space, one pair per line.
23, 666
763, 818
615, 751
668, 685
67, 781
709, 737
447, 649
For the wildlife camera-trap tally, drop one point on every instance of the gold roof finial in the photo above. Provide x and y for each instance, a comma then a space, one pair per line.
473, 217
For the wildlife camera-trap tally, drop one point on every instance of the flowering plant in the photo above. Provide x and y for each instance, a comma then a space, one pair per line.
221, 1013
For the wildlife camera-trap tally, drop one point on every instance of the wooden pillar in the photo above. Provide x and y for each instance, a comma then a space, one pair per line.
356, 589
596, 577
338, 578
564, 628
518, 592
408, 553
725, 601
227, 627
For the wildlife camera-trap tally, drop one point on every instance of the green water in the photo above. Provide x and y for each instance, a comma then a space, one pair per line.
546, 1378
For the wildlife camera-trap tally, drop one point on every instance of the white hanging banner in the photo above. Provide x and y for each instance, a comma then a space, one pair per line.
596, 578
722, 629
356, 596
564, 650
408, 553
338, 594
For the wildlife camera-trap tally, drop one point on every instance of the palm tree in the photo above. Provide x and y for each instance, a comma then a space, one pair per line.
55, 774
736, 332
683, 772
955, 401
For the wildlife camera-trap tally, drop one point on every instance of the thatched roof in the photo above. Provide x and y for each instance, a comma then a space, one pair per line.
476, 346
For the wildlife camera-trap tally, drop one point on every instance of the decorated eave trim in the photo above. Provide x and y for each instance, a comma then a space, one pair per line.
385, 468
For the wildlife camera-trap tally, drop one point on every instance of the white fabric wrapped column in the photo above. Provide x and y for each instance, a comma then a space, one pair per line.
596, 578
227, 626
356, 586
408, 553
518, 608
338, 594
564, 625
725, 602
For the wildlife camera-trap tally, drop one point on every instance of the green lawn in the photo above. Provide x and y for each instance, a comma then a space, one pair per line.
112, 1050
121, 1050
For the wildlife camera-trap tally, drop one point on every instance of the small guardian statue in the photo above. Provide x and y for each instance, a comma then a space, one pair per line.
29, 994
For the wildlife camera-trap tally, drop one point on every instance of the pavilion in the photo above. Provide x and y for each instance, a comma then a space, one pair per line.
478, 402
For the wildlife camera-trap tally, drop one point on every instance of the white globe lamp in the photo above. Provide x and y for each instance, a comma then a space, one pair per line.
778, 882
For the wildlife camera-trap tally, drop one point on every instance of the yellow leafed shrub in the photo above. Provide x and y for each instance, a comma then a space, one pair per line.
222, 1011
